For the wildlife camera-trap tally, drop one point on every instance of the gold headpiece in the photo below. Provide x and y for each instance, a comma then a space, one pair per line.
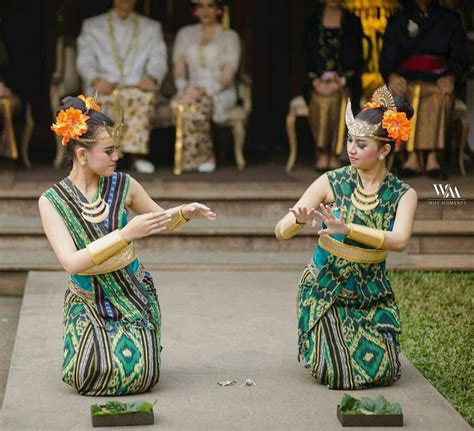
71, 123
397, 124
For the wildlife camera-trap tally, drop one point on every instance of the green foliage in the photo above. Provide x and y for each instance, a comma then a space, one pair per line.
438, 329
119, 408
368, 406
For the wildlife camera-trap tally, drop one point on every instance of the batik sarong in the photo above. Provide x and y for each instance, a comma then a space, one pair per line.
111, 320
327, 121
137, 107
193, 127
432, 117
348, 320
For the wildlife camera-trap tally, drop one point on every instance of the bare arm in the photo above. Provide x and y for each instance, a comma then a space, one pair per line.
140, 202
317, 193
395, 240
76, 261
72, 260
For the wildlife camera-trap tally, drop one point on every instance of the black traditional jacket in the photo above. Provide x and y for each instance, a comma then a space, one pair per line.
437, 32
349, 62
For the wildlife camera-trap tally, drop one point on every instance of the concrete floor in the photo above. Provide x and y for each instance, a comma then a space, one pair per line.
9, 313
216, 326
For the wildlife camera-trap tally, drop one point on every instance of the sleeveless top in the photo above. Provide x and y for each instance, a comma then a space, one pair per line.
366, 280
125, 295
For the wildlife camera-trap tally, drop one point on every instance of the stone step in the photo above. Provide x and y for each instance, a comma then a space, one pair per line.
216, 326
19, 261
255, 206
248, 234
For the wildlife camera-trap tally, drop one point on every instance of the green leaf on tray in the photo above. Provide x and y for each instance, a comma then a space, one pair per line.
118, 408
368, 406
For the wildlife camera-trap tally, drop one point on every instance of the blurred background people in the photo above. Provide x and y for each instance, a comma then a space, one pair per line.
333, 57
424, 55
206, 58
123, 55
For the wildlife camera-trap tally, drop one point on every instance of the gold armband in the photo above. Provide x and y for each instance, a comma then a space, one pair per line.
366, 235
107, 246
289, 227
178, 220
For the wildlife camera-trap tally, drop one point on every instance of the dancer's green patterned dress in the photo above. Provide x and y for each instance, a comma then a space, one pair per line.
348, 321
112, 320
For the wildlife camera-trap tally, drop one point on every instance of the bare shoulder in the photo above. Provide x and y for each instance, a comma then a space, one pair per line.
135, 189
410, 196
44, 204
323, 188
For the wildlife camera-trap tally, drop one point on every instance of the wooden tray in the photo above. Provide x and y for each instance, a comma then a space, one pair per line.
369, 420
127, 419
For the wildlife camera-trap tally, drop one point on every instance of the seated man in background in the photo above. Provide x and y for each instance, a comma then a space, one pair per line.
423, 57
123, 56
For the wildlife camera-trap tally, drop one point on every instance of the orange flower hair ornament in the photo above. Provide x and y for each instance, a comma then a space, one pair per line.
397, 125
70, 124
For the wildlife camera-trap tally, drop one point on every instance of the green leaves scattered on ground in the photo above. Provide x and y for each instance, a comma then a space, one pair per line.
368, 406
438, 329
119, 408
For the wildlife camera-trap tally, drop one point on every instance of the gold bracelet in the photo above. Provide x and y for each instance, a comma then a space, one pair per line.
366, 235
289, 226
181, 212
178, 220
107, 246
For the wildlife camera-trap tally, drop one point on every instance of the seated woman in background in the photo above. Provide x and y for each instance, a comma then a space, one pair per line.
333, 56
205, 58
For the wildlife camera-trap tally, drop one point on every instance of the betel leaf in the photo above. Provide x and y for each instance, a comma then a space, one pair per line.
380, 404
394, 409
95, 408
146, 407
369, 406
349, 404
119, 408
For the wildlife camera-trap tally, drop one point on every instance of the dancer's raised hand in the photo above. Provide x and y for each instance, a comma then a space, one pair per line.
334, 225
144, 225
197, 210
304, 215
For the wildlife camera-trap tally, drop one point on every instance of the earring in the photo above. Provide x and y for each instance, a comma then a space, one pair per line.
83, 162
381, 157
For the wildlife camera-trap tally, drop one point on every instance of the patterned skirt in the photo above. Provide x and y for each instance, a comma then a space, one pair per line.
325, 114
195, 126
347, 345
433, 116
137, 107
104, 357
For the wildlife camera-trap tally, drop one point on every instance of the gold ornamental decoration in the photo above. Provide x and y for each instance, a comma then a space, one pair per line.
373, 15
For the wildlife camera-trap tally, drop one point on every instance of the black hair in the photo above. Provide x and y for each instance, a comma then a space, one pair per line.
96, 120
375, 116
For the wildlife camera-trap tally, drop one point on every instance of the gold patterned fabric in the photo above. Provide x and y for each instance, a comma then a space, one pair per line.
8, 147
194, 129
137, 107
324, 118
432, 116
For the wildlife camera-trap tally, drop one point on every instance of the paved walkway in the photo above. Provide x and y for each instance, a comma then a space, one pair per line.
216, 326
